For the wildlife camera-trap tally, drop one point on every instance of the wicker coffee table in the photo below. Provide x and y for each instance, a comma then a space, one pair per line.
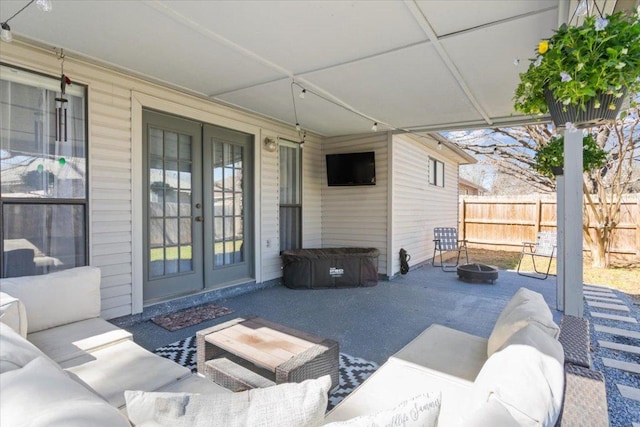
253, 352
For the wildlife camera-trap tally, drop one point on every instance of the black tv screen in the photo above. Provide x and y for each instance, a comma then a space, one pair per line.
351, 169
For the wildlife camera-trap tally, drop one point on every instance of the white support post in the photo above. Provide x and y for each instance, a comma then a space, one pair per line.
572, 242
560, 191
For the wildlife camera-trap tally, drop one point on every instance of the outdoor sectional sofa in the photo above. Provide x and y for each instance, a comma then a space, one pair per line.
62, 365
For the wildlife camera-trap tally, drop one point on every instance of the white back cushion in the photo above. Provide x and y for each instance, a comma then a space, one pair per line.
526, 376
13, 313
57, 298
524, 308
41, 394
15, 350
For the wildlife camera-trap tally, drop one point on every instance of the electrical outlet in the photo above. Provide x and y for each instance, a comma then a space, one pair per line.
268, 243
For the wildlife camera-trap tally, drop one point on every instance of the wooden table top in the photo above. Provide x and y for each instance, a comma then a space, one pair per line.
265, 344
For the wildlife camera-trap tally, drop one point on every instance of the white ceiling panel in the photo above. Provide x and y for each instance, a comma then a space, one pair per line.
314, 114
400, 88
372, 56
479, 70
307, 35
448, 17
134, 36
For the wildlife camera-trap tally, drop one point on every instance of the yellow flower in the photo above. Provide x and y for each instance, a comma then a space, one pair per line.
543, 47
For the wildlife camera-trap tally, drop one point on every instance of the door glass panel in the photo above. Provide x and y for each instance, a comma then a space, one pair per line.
170, 200
228, 204
171, 145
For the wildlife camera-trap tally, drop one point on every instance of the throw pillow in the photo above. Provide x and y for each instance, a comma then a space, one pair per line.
420, 411
290, 404
13, 313
525, 307
526, 376
491, 413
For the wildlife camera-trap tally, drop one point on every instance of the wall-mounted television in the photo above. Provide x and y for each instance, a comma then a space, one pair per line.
351, 169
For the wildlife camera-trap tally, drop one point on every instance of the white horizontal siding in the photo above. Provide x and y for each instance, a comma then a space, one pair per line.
270, 214
112, 169
418, 206
357, 216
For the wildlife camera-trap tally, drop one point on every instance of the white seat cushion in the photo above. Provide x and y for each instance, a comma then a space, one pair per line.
526, 376
124, 366
13, 313
420, 411
524, 308
447, 350
398, 380
75, 339
41, 395
58, 298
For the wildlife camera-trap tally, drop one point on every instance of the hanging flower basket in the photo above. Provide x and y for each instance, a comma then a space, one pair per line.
582, 74
596, 110
549, 158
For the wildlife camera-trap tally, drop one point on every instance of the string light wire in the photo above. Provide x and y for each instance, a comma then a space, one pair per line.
376, 123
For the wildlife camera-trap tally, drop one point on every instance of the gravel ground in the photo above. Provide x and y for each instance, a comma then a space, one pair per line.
622, 411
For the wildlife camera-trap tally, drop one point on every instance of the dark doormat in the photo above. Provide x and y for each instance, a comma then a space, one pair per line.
191, 316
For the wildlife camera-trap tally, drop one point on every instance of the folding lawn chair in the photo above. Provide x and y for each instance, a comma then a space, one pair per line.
545, 247
446, 240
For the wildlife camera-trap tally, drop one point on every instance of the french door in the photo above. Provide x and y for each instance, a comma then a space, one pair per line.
198, 193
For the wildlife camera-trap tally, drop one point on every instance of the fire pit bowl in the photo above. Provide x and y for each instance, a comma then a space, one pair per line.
477, 273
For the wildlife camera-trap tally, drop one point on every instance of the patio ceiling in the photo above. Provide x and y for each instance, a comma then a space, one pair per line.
420, 65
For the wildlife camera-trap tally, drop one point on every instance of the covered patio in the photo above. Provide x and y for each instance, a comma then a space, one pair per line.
374, 323
332, 77
314, 78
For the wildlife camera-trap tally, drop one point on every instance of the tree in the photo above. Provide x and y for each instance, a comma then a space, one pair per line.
511, 151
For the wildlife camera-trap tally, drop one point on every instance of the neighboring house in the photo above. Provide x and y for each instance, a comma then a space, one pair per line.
469, 188
155, 156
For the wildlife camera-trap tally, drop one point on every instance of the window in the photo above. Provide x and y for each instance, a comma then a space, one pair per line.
436, 172
290, 195
43, 184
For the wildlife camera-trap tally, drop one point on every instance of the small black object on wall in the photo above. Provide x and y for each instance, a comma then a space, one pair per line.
404, 261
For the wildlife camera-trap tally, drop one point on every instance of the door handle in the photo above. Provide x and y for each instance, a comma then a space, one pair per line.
199, 218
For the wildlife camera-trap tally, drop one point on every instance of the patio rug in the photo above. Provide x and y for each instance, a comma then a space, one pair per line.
353, 370
191, 316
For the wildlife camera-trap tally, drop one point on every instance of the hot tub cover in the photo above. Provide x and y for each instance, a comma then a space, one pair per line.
330, 267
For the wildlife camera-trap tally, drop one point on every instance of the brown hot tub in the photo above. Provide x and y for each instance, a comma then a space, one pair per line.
330, 268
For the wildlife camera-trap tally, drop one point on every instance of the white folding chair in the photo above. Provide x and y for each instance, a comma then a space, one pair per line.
544, 247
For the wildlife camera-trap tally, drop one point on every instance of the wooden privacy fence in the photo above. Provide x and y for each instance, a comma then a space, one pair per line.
504, 222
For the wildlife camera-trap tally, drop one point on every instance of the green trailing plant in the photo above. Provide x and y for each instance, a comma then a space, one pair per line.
578, 64
551, 155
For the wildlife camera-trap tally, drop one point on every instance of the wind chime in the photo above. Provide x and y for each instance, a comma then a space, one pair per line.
62, 102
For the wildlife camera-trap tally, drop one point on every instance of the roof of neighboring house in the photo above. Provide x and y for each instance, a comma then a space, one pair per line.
471, 184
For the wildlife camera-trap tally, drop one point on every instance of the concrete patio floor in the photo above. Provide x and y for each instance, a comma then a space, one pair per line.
373, 323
